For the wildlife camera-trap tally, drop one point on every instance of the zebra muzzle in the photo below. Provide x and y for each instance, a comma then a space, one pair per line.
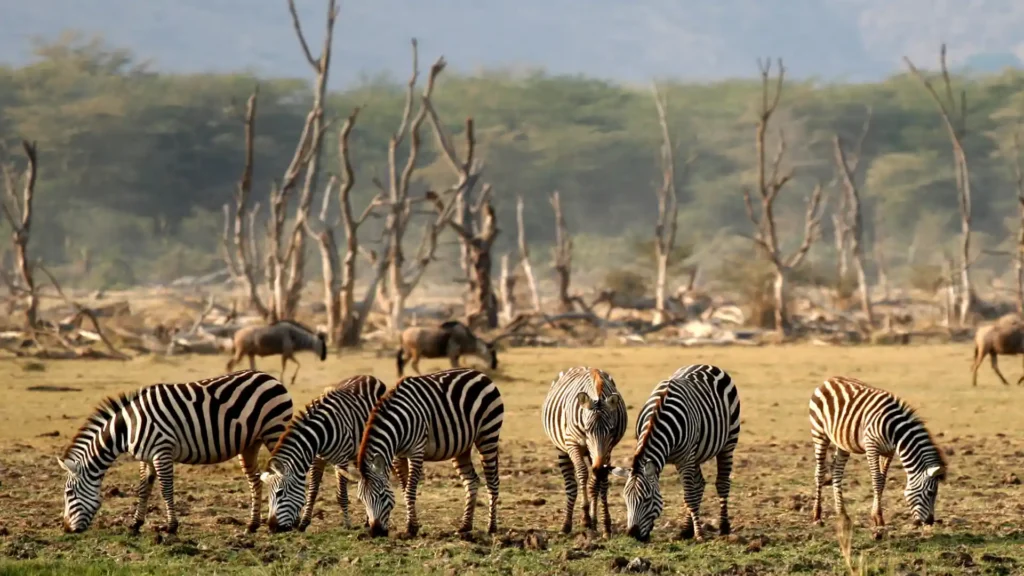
378, 530
276, 528
634, 532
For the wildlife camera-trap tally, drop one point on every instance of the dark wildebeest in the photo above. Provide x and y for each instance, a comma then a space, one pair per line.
1005, 337
284, 337
451, 340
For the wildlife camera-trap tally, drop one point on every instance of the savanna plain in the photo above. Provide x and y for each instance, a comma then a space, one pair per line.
980, 508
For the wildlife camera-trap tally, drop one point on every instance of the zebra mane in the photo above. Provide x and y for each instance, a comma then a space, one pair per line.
104, 411
652, 421
314, 406
372, 419
595, 376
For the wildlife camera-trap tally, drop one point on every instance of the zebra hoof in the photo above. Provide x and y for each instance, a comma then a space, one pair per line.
134, 528
492, 529
686, 533
724, 528
567, 528
252, 527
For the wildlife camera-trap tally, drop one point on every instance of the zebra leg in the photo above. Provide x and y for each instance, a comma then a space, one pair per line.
313, 480
877, 482
602, 491
693, 493
164, 467
722, 486
471, 482
821, 444
401, 467
251, 469
412, 524
579, 463
838, 469
342, 494
489, 460
147, 476
565, 465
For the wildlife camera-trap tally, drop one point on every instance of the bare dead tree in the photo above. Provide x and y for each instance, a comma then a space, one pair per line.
475, 223
18, 209
296, 253
852, 219
1018, 173
768, 188
400, 279
954, 118
345, 321
668, 209
238, 245
524, 254
562, 253
841, 230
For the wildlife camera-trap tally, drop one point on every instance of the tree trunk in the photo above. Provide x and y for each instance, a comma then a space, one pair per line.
779, 292
843, 266
966, 291
524, 255
508, 291
659, 289
483, 303
25, 267
332, 288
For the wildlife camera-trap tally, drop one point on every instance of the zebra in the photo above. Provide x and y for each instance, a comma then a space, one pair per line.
451, 340
329, 431
861, 419
203, 422
430, 418
584, 417
688, 419
284, 337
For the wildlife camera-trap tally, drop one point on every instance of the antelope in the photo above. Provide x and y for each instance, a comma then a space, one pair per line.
284, 337
451, 340
1005, 337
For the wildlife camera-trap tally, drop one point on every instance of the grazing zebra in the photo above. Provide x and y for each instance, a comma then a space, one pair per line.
430, 418
861, 419
284, 337
329, 431
690, 418
451, 340
204, 422
584, 417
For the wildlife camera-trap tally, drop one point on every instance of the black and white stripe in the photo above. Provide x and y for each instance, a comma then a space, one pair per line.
690, 418
584, 417
861, 419
328, 431
430, 418
204, 422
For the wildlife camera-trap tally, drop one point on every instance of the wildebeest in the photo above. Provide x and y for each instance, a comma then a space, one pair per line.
451, 340
1005, 337
284, 337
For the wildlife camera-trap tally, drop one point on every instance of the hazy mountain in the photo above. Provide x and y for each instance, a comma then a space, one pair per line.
625, 40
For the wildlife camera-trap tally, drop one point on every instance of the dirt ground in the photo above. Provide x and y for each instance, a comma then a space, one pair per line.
981, 506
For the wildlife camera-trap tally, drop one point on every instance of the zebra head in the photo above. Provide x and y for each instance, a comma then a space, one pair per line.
81, 496
922, 490
598, 419
374, 491
286, 496
644, 503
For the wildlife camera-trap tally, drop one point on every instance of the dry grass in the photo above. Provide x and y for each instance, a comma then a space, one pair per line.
980, 508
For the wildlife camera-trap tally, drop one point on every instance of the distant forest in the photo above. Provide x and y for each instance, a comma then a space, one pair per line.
135, 164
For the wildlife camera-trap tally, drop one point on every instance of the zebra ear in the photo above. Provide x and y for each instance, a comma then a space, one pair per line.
584, 400
613, 400
63, 465
378, 464
620, 472
649, 469
265, 477
936, 472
